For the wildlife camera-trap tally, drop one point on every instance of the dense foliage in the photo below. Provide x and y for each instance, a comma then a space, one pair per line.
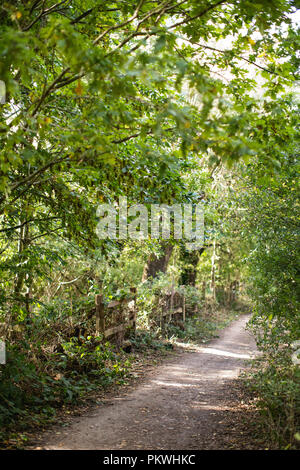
272, 225
175, 101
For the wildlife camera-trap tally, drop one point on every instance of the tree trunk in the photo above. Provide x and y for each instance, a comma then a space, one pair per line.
213, 272
156, 265
190, 262
22, 245
203, 290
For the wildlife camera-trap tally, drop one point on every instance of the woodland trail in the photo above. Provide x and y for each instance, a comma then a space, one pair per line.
187, 403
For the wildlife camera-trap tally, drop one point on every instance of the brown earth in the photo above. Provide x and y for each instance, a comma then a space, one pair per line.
192, 401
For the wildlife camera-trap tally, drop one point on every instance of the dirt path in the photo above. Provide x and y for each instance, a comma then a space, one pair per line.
189, 403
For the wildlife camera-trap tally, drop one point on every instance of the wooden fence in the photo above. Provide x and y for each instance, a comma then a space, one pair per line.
172, 307
114, 318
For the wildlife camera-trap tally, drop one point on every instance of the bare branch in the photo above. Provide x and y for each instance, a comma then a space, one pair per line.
15, 227
202, 13
118, 26
221, 51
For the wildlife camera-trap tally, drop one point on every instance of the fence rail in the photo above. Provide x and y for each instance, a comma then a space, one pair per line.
106, 313
113, 319
171, 305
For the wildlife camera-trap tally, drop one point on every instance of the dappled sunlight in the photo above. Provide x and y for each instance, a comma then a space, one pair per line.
219, 352
172, 384
210, 407
195, 391
190, 382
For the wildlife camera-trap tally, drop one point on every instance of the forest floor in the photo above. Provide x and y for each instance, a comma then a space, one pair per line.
194, 400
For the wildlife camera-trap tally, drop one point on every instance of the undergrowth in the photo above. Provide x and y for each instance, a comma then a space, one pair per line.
43, 376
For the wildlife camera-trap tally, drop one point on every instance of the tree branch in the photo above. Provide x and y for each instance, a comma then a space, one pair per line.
113, 28
15, 227
202, 13
238, 57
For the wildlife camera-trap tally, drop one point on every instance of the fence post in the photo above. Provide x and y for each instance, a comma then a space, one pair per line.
172, 302
183, 308
100, 322
133, 291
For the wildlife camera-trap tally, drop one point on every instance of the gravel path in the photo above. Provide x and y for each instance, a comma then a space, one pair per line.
189, 403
